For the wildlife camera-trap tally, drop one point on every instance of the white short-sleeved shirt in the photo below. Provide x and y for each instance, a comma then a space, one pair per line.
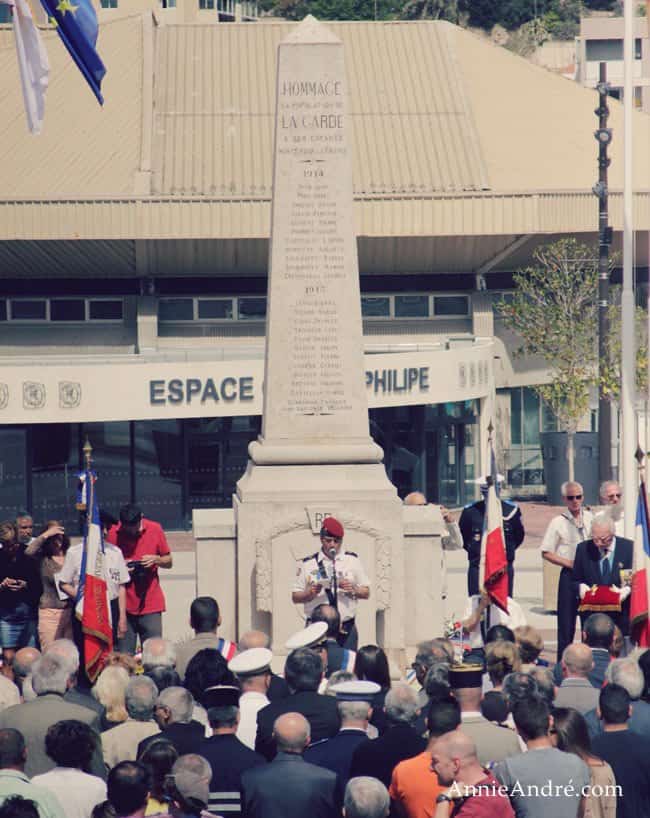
513, 619
348, 566
564, 533
116, 571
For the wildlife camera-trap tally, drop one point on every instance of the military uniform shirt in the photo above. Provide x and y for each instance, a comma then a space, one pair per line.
564, 533
348, 566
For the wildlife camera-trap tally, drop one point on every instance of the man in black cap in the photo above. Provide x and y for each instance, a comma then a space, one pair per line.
332, 576
227, 755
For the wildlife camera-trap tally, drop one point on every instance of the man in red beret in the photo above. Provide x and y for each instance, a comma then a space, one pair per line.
335, 577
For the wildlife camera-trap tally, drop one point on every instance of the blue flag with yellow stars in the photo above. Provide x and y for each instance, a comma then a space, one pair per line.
76, 22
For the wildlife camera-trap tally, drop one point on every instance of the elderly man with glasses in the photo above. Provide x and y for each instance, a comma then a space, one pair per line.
559, 545
335, 577
611, 497
602, 573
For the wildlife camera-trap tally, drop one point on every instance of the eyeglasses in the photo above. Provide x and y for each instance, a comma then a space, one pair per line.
574, 496
614, 496
603, 540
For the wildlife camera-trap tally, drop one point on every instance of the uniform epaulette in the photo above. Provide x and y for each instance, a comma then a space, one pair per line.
469, 505
515, 509
352, 553
310, 557
510, 503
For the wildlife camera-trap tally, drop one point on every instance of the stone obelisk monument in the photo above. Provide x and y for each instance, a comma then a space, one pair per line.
315, 455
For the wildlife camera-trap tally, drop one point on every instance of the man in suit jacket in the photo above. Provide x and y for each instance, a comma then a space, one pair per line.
303, 671
173, 712
597, 634
289, 787
576, 690
599, 561
51, 676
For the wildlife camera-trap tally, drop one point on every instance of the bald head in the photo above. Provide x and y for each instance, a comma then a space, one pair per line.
23, 661
415, 498
253, 639
577, 660
292, 733
453, 758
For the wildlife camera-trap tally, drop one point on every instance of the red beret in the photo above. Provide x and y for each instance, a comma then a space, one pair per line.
332, 527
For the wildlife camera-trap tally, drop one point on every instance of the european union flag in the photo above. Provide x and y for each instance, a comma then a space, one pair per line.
76, 22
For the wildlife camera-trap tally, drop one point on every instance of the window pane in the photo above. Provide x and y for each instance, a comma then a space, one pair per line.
159, 471
450, 305
206, 4
175, 309
251, 308
28, 310
13, 483
515, 416
215, 308
411, 306
531, 416
67, 309
55, 465
5, 14
549, 421
3, 304
372, 306
105, 310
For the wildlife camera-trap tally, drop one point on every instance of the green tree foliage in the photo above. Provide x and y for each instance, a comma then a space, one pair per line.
430, 10
336, 9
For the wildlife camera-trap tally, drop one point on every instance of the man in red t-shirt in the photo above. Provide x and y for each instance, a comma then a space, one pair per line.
471, 792
145, 550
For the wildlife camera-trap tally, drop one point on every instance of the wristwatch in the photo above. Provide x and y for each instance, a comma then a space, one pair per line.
443, 797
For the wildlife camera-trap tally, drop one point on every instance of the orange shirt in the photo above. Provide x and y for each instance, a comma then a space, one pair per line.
415, 786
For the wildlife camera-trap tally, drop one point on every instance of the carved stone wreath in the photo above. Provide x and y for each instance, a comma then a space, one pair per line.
264, 557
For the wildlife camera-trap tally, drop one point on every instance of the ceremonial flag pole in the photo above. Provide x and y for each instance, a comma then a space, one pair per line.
493, 570
92, 607
639, 620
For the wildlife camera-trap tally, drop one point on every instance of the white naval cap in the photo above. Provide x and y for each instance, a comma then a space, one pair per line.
309, 637
251, 662
355, 691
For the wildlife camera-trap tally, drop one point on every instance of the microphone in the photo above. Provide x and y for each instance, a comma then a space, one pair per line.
332, 553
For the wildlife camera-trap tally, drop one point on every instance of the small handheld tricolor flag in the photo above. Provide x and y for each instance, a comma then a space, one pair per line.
33, 64
493, 574
639, 621
92, 606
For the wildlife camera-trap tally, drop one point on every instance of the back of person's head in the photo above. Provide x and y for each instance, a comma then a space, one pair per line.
118, 659
303, 670
204, 614
578, 659
51, 674
130, 514
442, 649
353, 711
336, 678
12, 748
330, 616
18, 807
443, 716
543, 676
530, 643
571, 731
106, 519
365, 797
103, 810
401, 704
140, 697
24, 659
499, 633
158, 757
66, 650
614, 704
531, 717
292, 733
164, 677
627, 674
110, 691
188, 784
253, 639
436, 682
178, 702
128, 787
158, 652
207, 668
371, 664
517, 687
71, 743
598, 631
501, 658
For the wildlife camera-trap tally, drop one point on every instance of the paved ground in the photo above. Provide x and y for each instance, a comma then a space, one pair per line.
180, 582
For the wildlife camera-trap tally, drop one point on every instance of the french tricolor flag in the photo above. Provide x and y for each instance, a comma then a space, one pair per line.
639, 623
92, 606
493, 574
